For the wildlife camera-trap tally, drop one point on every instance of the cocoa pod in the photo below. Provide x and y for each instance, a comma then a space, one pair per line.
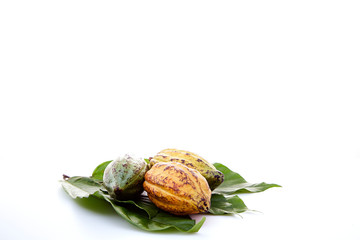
213, 176
177, 189
124, 177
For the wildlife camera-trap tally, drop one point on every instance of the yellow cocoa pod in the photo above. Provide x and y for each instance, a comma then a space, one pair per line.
213, 176
177, 189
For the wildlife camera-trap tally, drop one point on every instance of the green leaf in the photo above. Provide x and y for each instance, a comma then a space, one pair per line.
143, 202
197, 226
160, 221
98, 173
136, 216
221, 204
181, 223
144, 214
235, 184
80, 187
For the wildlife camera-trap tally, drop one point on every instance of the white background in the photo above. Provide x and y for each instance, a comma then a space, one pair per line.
268, 88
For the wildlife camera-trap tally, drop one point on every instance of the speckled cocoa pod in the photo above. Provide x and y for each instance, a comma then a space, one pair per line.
191, 160
177, 189
123, 177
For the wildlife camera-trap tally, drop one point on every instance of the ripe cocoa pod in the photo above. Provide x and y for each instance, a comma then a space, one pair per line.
177, 189
124, 177
213, 176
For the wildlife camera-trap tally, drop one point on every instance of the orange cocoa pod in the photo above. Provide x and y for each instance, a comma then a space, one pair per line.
177, 189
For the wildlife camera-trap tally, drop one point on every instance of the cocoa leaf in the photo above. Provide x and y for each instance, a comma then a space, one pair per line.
98, 173
181, 223
160, 221
143, 202
221, 204
80, 187
234, 183
144, 214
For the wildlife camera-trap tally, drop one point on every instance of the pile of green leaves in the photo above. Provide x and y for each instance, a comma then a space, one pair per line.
144, 214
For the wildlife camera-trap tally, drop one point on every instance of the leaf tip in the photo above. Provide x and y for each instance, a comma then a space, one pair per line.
197, 226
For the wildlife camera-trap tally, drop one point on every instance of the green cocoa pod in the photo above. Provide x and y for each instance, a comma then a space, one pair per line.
124, 177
